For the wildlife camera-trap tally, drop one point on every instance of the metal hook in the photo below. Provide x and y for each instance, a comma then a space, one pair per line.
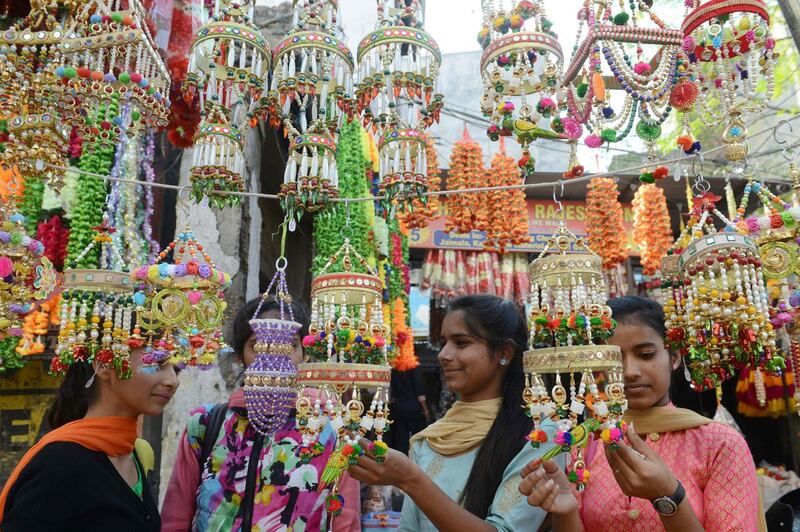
347, 212
557, 200
780, 124
183, 201
699, 156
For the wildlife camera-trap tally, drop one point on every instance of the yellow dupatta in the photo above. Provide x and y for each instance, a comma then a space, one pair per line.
462, 428
659, 419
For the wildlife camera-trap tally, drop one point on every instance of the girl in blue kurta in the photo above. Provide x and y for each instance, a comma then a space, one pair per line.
463, 472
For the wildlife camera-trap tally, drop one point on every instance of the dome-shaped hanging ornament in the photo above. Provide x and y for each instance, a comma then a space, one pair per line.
97, 307
521, 60
109, 56
218, 162
310, 179
269, 382
570, 324
403, 167
716, 303
731, 59
312, 78
26, 275
347, 349
631, 53
180, 305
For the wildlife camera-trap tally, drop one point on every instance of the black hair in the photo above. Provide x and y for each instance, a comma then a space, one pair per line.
241, 323
500, 324
639, 310
73, 398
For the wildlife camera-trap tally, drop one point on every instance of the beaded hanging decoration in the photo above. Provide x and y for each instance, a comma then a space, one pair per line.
731, 61
716, 302
110, 53
180, 305
26, 275
269, 382
521, 59
311, 178
403, 167
642, 59
347, 348
569, 326
96, 310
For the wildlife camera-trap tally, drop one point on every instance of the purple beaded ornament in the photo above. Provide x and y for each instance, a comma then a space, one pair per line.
269, 382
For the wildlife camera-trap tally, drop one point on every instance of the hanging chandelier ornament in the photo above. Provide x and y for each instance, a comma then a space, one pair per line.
114, 76
716, 301
180, 305
521, 59
403, 168
26, 275
312, 80
32, 136
644, 79
731, 60
96, 310
398, 67
347, 347
310, 179
570, 324
218, 162
269, 382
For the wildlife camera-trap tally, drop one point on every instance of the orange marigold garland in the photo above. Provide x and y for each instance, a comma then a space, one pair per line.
466, 212
652, 230
507, 222
421, 212
604, 221
405, 358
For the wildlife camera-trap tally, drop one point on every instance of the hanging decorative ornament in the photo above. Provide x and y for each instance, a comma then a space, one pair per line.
26, 275
507, 226
228, 72
109, 54
604, 222
403, 168
466, 212
652, 230
32, 137
311, 178
521, 59
269, 382
644, 78
218, 159
180, 305
716, 303
313, 73
570, 324
423, 209
96, 310
347, 348
731, 59
398, 66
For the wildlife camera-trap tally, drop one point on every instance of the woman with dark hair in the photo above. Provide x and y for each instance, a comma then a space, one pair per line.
463, 470
88, 472
693, 474
227, 477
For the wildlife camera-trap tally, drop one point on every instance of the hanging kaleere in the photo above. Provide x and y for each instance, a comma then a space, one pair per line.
731, 61
228, 72
269, 382
570, 324
652, 230
347, 350
180, 304
716, 301
109, 55
641, 53
521, 60
96, 315
311, 178
26, 275
421, 212
403, 168
32, 137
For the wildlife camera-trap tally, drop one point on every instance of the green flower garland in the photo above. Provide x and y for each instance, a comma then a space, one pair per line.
30, 205
91, 198
352, 165
9, 358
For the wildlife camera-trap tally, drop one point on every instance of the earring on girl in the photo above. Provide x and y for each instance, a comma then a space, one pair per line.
503, 361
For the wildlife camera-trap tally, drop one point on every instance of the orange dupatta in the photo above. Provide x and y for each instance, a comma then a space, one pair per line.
114, 436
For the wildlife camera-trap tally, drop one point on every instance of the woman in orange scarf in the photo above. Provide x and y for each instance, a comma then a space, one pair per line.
85, 475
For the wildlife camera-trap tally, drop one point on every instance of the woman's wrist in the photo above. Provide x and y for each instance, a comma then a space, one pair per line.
412, 480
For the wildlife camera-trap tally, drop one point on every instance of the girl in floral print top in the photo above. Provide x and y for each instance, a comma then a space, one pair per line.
281, 494
679, 471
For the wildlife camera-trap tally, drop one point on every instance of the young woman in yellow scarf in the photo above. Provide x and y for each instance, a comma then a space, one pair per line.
679, 472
